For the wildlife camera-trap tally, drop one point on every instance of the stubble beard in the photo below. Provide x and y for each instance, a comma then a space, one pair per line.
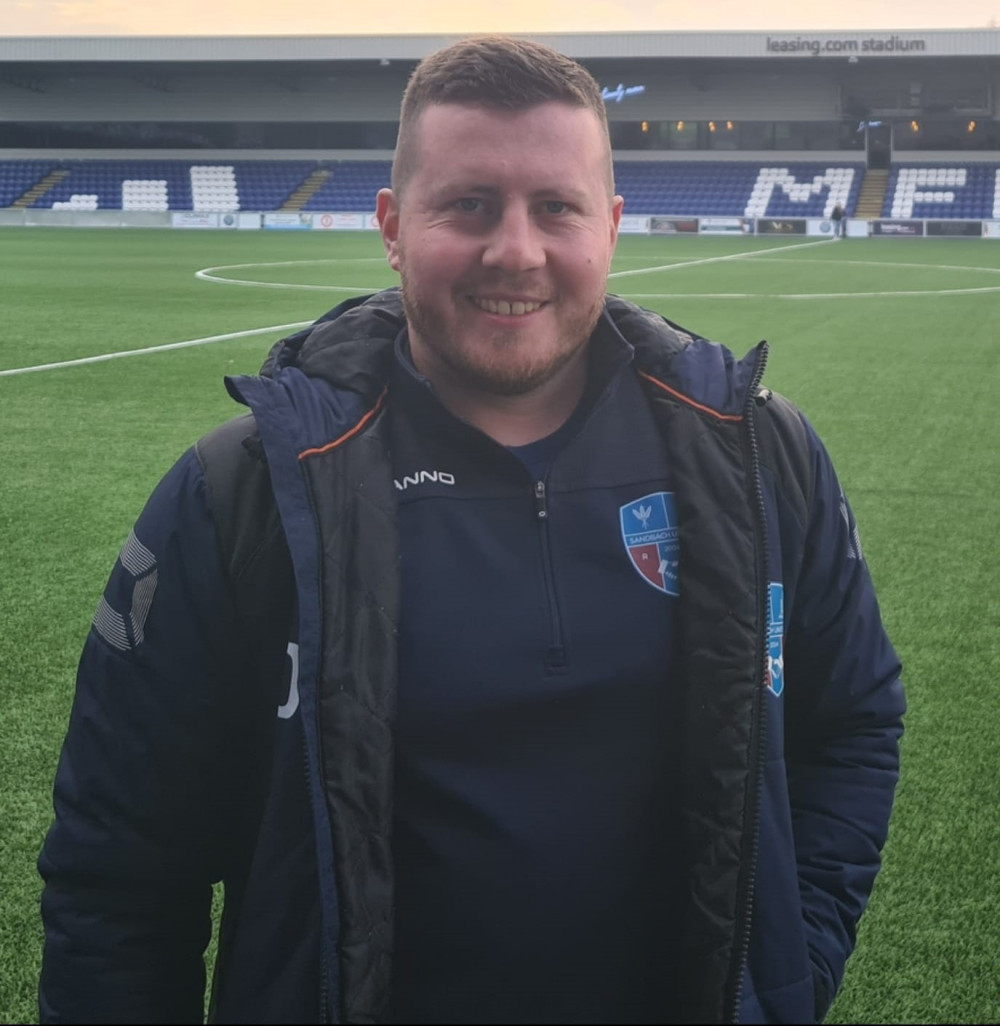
485, 366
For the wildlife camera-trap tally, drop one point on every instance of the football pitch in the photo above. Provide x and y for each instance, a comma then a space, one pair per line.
890, 346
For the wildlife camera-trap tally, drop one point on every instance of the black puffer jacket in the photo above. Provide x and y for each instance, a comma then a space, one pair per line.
282, 528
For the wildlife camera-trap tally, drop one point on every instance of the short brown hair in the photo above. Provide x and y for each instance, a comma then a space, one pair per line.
496, 72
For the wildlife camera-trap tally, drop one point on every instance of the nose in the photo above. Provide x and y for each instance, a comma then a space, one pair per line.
515, 242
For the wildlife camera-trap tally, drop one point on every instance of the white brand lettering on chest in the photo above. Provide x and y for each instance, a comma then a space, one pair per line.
423, 476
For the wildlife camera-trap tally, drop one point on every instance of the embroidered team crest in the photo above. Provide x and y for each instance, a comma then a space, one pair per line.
776, 637
649, 531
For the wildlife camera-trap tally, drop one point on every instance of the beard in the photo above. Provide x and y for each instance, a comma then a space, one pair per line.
501, 361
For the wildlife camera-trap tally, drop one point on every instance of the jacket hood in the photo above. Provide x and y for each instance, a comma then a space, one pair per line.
703, 372
351, 347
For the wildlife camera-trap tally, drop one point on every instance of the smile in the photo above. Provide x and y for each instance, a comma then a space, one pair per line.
507, 309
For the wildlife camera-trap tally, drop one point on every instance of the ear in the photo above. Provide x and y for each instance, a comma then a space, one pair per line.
617, 205
387, 212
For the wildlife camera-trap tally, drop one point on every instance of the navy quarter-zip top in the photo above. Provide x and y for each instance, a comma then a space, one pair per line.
536, 732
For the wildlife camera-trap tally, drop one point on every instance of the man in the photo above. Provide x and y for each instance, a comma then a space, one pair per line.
838, 216
514, 661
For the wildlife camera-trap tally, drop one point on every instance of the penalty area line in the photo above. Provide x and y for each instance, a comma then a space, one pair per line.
101, 357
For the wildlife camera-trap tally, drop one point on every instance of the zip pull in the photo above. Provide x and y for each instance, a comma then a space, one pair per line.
541, 504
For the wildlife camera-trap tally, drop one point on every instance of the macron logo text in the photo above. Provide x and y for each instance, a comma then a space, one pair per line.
423, 476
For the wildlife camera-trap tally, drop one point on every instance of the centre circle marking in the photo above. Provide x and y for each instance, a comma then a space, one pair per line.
210, 274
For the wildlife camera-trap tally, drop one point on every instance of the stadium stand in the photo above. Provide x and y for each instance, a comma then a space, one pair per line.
18, 176
804, 190
736, 189
122, 185
705, 188
649, 187
267, 184
86, 201
213, 187
156, 185
352, 186
943, 191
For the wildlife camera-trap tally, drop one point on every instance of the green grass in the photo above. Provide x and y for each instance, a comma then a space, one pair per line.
900, 386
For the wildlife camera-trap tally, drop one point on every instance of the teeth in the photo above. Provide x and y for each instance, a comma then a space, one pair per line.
501, 306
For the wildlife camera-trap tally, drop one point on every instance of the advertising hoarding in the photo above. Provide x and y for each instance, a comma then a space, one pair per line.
287, 220
781, 226
819, 226
898, 228
725, 226
339, 221
633, 224
659, 225
972, 229
194, 219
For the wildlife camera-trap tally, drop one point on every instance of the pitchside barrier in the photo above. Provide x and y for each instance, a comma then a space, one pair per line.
253, 220
813, 226
631, 224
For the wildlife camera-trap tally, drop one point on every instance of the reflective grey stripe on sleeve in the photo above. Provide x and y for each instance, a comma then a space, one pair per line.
125, 631
111, 626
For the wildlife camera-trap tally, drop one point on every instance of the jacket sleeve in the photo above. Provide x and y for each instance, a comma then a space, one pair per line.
143, 795
843, 725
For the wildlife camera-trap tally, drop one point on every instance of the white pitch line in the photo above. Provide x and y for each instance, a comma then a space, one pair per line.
719, 259
205, 274
804, 295
297, 263
152, 349
291, 285
773, 250
891, 263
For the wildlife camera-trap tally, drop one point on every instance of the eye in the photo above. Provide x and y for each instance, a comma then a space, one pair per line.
469, 204
555, 207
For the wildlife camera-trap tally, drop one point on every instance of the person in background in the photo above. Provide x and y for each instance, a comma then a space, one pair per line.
513, 660
839, 217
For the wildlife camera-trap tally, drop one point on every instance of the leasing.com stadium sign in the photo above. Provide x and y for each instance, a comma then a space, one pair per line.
873, 45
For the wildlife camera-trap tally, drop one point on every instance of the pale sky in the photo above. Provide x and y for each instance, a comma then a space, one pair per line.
393, 17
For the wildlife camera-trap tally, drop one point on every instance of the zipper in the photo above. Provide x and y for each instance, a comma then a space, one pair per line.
758, 734
555, 653
324, 948
328, 967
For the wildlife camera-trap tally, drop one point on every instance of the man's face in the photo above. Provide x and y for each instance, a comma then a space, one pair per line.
503, 235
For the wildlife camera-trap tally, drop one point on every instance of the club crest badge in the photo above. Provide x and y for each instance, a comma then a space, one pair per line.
649, 531
776, 638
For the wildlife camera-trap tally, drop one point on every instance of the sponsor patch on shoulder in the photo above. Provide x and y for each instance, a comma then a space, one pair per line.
649, 532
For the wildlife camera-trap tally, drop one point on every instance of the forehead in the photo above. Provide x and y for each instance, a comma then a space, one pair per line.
454, 141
